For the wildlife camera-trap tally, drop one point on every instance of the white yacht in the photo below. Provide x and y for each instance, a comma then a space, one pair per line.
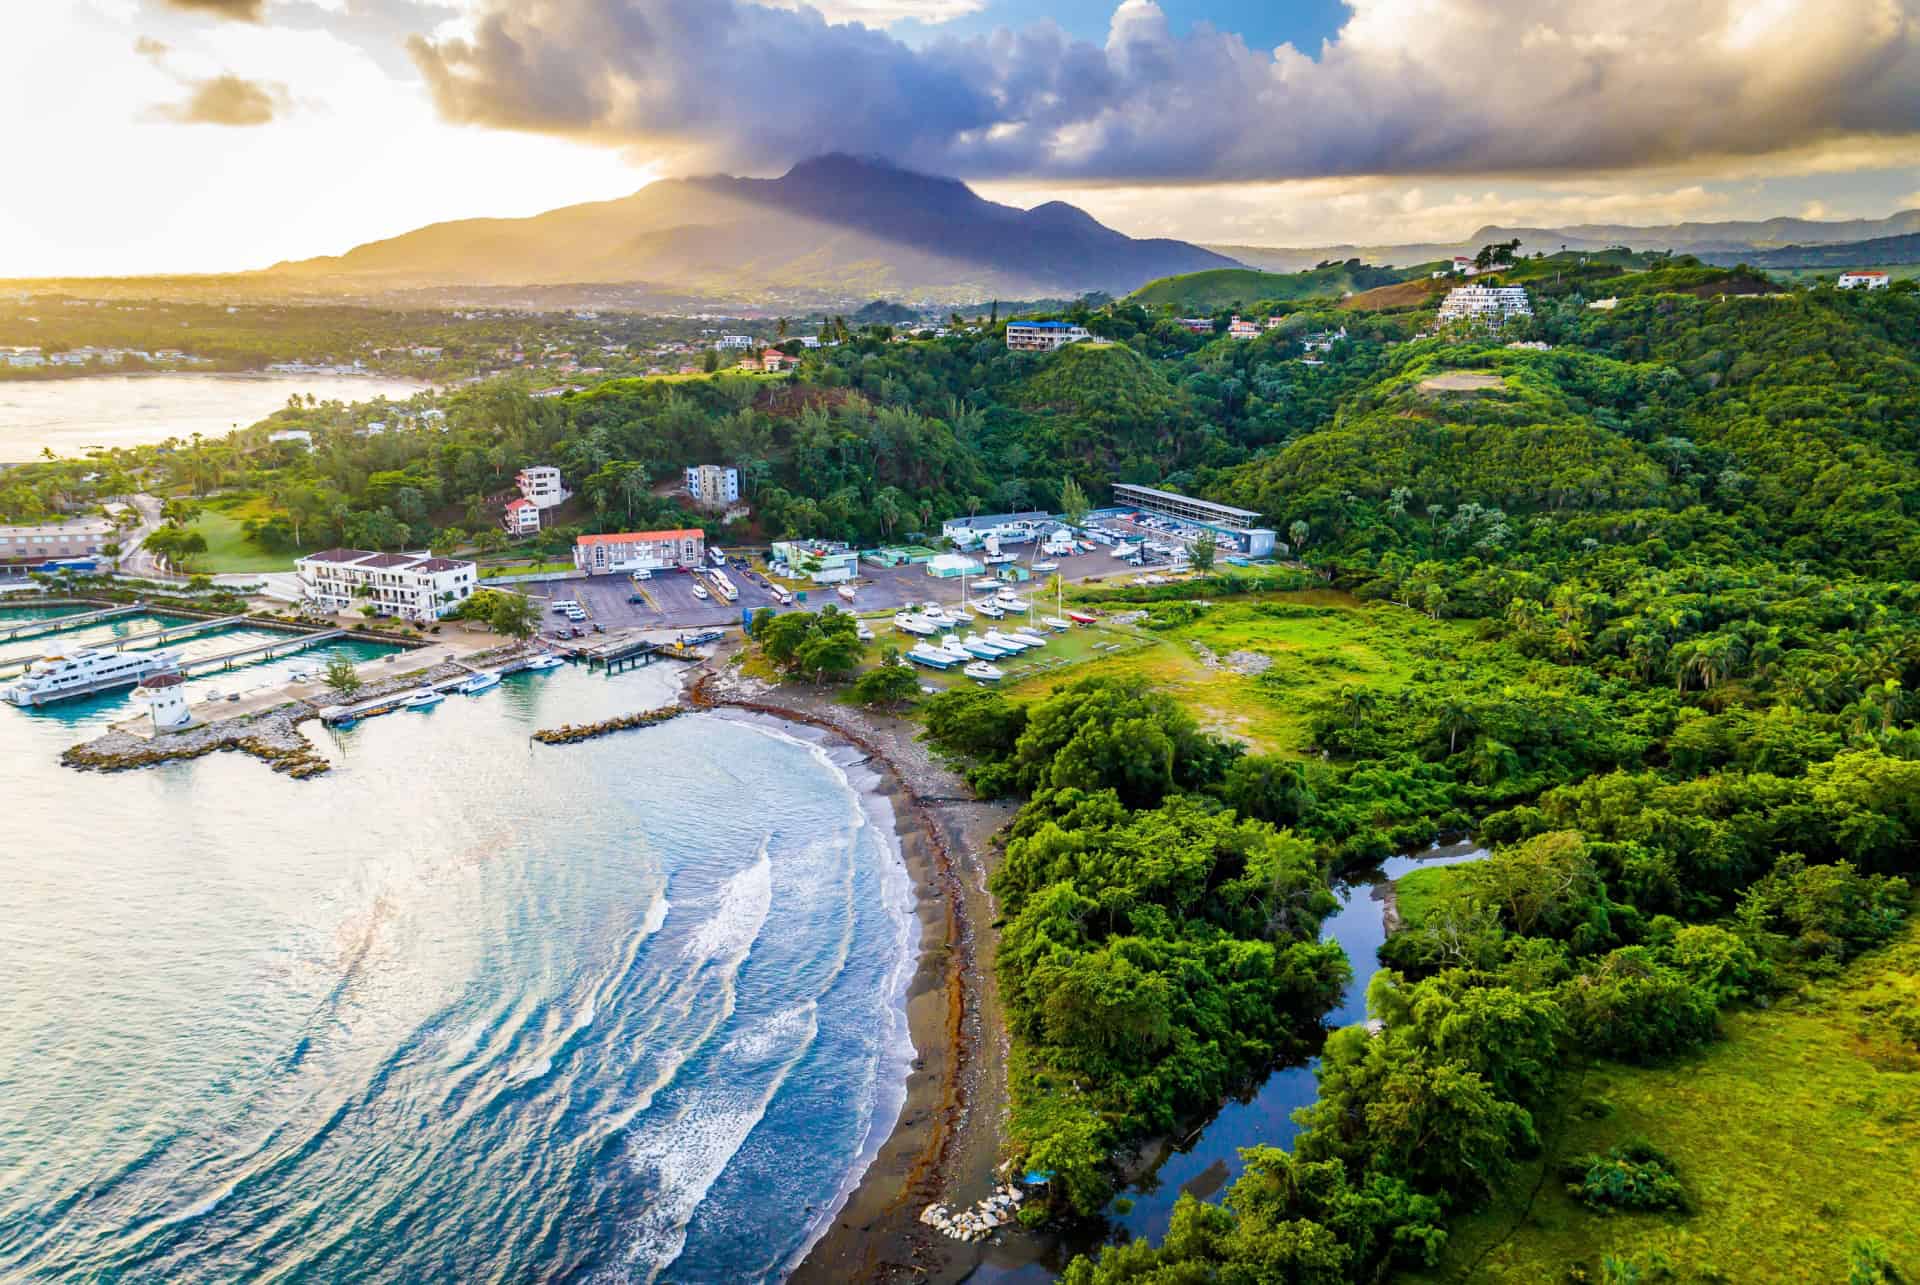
981, 671
84, 671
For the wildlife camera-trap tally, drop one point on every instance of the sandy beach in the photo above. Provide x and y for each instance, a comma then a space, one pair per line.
946, 1143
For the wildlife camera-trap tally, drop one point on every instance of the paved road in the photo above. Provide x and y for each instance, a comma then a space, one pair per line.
135, 558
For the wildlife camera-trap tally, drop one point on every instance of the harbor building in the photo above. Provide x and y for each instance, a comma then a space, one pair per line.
821, 561
1006, 528
713, 486
29, 544
167, 701
640, 551
413, 586
1186, 518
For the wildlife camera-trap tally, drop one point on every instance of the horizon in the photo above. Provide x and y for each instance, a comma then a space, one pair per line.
225, 136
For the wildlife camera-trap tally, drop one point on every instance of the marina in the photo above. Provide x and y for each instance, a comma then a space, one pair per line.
62, 624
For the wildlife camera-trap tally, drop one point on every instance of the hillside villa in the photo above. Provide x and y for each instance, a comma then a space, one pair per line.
1865, 279
1044, 336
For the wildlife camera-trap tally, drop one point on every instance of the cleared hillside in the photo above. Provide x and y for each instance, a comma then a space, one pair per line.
1223, 288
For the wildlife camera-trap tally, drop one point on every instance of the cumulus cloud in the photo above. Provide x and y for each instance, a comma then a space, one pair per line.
149, 48
1408, 87
238, 10
226, 100
883, 13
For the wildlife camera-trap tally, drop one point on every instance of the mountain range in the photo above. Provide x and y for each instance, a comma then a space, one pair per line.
1729, 241
832, 228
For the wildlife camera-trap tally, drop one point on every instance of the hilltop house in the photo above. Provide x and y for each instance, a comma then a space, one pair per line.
1865, 279
1044, 336
774, 361
1239, 329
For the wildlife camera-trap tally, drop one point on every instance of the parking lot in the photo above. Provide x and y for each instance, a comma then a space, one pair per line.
667, 599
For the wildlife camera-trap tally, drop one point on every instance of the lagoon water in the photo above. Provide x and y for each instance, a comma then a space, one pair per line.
70, 416
465, 1008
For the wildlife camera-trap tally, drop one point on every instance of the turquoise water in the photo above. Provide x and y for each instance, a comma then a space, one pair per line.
467, 1008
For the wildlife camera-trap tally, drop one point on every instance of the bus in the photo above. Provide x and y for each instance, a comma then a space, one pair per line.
723, 586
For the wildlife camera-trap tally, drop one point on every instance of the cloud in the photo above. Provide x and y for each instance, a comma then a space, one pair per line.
1407, 87
884, 13
227, 100
149, 48
238, 10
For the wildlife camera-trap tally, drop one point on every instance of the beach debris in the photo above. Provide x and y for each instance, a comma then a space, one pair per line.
978, 1220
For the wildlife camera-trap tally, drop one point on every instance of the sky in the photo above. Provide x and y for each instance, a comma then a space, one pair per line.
216, 135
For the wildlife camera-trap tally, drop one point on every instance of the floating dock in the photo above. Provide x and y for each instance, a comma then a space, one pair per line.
60, 624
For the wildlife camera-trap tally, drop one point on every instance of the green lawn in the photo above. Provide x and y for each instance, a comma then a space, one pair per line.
1418, 891
524, 569
1313, 643
1795, 1134
229, 550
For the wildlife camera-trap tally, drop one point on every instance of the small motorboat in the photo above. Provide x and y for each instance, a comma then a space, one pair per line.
425, 699
546, 660
989, 610
981, 671
1056, 624
486, 680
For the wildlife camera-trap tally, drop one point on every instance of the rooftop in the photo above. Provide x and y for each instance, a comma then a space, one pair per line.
638, 537
1044, 325
1149, 494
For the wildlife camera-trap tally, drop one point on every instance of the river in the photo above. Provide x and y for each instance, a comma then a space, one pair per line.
464, 1008
1208, 1163
71, 416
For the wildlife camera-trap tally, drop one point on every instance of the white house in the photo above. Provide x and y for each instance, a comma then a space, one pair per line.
540, 483
300, 435
1044, 336
742, 342
1865, 280
1239, 329
1464, 267
1006, 528
522, 517
1491, 304
413, 586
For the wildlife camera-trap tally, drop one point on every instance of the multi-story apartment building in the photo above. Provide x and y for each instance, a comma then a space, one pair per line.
714, 485
541, 484
1492, 304
522, 517
413, 586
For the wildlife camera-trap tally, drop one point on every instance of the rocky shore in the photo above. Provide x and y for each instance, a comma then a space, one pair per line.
273, 737
944, 1151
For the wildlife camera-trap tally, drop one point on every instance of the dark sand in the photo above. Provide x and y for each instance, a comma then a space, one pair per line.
947, 1141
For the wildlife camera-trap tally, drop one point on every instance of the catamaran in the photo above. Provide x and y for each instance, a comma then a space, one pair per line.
84, 671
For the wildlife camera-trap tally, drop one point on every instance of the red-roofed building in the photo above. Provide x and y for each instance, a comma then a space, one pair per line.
773, 361
522, 517
1865, 279
638, 550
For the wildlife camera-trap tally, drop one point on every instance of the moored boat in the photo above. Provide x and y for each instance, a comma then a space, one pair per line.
546, 660
426, 699
481, 682
83, 671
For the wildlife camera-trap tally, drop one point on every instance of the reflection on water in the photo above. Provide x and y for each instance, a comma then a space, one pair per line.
1209, 1162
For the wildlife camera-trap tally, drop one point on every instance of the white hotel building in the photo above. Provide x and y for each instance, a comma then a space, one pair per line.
413, 586
541, 484
1492, 304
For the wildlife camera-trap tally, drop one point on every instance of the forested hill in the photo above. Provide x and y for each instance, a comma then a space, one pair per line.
1241, 288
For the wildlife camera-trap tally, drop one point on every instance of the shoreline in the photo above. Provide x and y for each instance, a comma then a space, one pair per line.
944, 1144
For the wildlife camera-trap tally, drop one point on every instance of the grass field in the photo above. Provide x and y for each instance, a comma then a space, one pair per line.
1312, 644
1796, 1134
1419, 891
229, 550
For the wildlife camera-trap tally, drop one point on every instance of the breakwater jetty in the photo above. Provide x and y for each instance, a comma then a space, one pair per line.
272, 736
572, 733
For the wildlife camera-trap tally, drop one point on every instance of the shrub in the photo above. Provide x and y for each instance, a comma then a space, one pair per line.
1633, 1176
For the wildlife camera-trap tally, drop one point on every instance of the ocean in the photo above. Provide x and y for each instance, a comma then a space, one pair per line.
465, 1008
70, 416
